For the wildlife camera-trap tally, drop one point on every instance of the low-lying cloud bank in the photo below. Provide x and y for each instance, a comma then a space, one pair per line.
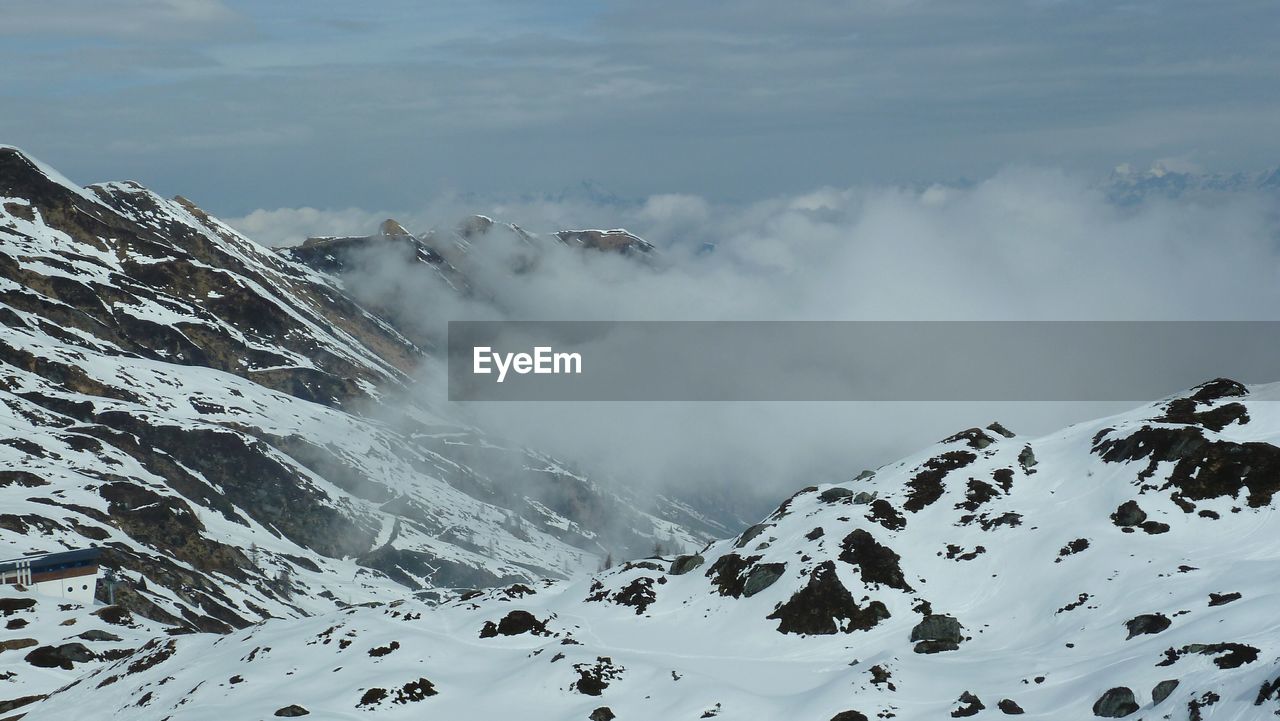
1026, 244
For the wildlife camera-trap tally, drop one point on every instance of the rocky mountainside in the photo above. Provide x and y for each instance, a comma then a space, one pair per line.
235, 431
1127, 185
1122, 568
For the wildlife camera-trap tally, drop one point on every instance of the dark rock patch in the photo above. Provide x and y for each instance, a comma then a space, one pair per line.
684, 564
1072, 548
1128, 514
380, 651
936, 633
1115, 703
1203, 469
292, 711
849, 716
815, 534
414, 691
514, 624
1228, 655
836, 495
1194, 706
926, 487
977, 493
876, 563
824, 606
1161, 691
372, 697
761, 577
638, 594
729, 573
1010, 707
63, 656
886, 515
970, 705
604, 713
1146, 624
10, 606
751, 533
593, 679
1222, 599
999, 428
974, 437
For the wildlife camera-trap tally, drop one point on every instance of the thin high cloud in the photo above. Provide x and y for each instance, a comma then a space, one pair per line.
1024, 244
741, 100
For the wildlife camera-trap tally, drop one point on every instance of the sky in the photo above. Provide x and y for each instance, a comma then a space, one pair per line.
881, 159
244, 106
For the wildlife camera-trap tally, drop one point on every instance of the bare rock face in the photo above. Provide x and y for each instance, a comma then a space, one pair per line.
937, 633
825, 606
1115, 703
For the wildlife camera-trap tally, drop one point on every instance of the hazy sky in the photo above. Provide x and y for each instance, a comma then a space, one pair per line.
326, 104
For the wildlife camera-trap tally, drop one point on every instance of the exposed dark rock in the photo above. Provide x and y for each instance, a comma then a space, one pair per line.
1128, 514
863, 498
1195, 706
762, 576
750, 534
1115, 703
970, 705
593, 679
1161, 691
886, 515
729, 573
999, 428
1270, 690
825, 606
926, 486
937, 632
604, 713
849, 716
63, 656
1009, 707
1228, 655
292, 711
1222, 599
372, 697
514, 624
10, 606
97, 635
1147, 623
684, 564
1072, 548
639, 594
835, 495
1203, 469
875, 562
1027, 459
414, 691
974, 437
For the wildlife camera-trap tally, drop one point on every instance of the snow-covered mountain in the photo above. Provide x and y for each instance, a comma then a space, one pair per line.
234, 431
1119, 568
1128, 185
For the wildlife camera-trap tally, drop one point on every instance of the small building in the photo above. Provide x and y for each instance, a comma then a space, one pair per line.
72, 575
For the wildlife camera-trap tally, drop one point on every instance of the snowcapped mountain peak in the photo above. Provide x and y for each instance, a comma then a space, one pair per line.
1117, 568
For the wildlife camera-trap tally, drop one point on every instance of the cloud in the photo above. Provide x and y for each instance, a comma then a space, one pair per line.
127, 18
1026, 243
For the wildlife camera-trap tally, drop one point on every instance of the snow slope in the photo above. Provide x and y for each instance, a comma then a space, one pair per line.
1120, 568
234, 430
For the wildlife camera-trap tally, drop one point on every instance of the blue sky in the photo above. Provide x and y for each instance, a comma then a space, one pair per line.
381, 105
